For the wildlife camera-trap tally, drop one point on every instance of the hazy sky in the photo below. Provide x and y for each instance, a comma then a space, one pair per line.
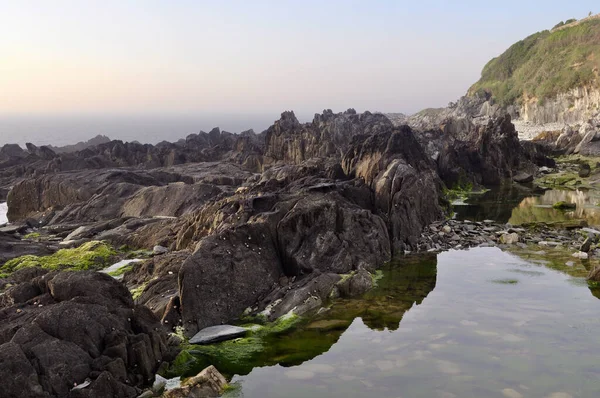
61, 57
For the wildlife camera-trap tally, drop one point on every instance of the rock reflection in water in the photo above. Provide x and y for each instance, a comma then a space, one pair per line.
539, 208
520, 205
470, 337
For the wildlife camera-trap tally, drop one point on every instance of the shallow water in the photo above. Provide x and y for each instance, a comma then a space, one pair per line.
3, 212
519, 206
476, 323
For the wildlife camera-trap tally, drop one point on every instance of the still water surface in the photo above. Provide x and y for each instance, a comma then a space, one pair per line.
519, 206
476, 323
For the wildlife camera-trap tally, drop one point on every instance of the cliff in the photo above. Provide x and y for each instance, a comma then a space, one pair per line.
548, 77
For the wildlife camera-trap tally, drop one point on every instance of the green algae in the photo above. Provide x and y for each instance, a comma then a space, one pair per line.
32, 236
564, 206
505, 281
376, 277
93, 255
293, 340
265, 344
137, 291
122, 270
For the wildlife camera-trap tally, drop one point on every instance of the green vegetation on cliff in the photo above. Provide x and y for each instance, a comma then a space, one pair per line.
544, 64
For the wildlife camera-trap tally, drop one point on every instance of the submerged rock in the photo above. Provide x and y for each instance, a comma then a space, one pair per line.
214, 334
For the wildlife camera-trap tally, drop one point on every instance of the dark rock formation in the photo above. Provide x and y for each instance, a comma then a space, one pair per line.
329, 135
481, 154
59, 329
403, 181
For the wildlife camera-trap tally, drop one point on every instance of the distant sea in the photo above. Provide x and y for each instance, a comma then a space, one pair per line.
151, 129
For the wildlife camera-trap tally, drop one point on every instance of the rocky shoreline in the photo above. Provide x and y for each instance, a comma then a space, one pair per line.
263, 226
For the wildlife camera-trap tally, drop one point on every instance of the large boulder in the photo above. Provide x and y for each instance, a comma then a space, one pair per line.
227, 273
324, 232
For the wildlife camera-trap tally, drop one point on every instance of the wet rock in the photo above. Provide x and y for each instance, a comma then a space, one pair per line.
586, 245
356, 285
523, 178
214, 334
584, 170
302, 296
208, 383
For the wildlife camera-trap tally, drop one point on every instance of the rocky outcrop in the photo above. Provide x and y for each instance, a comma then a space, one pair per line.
473, 141
329, 135
251, 244
400, 175
105, 338
80, 146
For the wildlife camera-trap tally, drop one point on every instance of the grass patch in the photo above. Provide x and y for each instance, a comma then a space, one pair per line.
93, 255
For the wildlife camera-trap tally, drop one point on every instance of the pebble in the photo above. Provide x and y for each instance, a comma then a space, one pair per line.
581, 255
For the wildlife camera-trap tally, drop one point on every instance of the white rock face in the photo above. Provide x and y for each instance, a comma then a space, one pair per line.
570, 108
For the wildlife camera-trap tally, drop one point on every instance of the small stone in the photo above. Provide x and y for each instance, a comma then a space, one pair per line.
158, 250
446, 229
217, 333
581, 255
509, 239
569, 263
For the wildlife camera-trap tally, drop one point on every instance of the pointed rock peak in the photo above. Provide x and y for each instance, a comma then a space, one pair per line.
288, 121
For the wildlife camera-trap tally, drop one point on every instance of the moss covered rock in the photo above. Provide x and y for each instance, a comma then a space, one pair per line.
89, 256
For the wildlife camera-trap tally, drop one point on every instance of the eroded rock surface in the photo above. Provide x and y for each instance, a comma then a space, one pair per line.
58, 329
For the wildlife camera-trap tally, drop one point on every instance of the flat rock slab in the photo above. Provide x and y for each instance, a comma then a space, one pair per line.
214, 334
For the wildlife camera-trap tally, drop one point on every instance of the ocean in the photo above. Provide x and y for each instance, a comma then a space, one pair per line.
151, 129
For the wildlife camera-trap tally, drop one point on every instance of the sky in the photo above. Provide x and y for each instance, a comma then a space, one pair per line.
186, 58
